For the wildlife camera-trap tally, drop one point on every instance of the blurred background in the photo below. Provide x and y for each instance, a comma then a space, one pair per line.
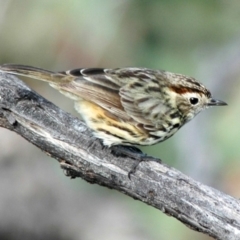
199, 38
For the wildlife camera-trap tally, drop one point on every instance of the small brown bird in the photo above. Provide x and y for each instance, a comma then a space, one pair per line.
127, 106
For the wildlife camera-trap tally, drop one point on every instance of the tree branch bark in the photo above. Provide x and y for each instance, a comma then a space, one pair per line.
68, 140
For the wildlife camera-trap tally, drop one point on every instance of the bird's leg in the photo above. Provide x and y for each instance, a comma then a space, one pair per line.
123, 151
132, 152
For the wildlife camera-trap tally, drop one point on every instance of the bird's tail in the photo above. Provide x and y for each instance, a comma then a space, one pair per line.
36, 73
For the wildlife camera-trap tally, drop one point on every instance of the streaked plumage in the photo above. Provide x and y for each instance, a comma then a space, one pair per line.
129, 106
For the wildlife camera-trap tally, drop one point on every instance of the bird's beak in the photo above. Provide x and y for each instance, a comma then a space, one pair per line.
214, 102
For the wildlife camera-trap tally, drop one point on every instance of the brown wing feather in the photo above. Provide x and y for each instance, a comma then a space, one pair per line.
131, 94
96, 86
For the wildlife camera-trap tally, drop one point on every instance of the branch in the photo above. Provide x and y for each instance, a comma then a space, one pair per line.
68, 140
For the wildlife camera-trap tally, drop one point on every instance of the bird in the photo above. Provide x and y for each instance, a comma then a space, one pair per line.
127, 106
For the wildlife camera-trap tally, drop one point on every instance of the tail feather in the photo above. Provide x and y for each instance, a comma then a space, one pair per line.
36, 73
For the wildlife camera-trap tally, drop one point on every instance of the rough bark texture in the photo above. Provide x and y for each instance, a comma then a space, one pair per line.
69, 141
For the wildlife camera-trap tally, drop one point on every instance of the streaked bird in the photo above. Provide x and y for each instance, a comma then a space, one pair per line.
127, 106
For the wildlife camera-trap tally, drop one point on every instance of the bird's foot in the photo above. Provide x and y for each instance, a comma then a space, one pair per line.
132, 152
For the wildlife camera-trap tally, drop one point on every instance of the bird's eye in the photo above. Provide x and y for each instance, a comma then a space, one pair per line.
193, 100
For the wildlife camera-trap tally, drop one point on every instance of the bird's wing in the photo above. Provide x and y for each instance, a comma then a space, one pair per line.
97, 86
128, 93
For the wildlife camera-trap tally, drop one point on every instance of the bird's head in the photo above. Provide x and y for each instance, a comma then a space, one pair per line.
190, 96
